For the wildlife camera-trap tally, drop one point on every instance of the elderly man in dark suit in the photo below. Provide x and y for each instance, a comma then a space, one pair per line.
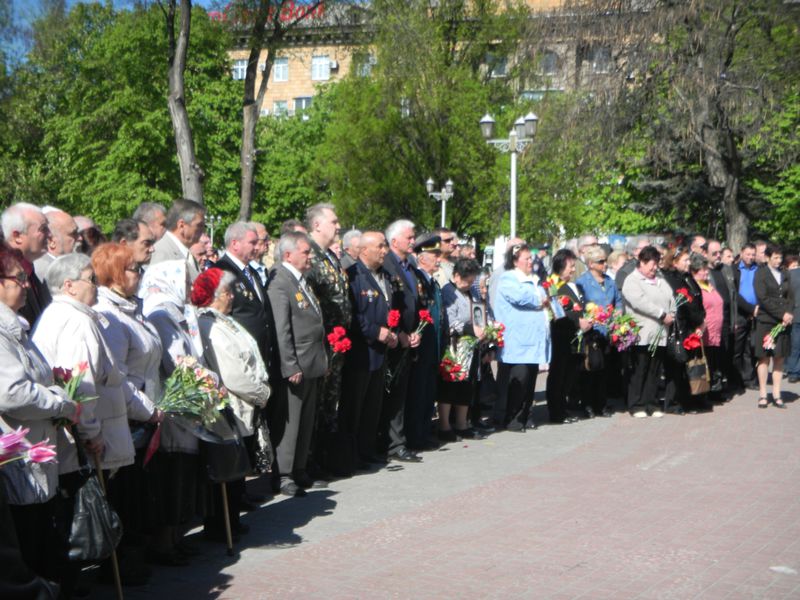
400, 266
303, 359
365, 366
185, 224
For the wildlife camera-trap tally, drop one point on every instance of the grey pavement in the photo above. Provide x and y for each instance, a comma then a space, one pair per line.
699, 506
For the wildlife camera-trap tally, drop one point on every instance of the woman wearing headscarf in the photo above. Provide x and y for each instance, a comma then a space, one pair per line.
165, 292
233, 354
29, 400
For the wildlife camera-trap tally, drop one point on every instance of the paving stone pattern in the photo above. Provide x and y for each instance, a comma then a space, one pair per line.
700, 506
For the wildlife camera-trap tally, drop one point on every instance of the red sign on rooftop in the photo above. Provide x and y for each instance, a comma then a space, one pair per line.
292, 11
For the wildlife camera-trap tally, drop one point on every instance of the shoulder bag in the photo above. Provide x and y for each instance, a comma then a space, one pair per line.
697, 372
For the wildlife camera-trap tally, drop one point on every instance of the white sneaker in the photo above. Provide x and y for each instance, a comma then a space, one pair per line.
657, 414
639, 414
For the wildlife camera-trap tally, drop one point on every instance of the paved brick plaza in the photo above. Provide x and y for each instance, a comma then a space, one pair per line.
701, 506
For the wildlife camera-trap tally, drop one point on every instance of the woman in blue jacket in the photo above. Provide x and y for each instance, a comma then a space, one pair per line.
520, 305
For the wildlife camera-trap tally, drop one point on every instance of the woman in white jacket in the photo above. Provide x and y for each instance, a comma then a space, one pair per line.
28, 399
137, 353
234, 355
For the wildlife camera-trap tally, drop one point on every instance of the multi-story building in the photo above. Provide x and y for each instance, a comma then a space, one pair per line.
323, 47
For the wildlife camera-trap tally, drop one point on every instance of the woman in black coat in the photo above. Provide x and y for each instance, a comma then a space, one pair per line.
690, 317
565, 360
775, 304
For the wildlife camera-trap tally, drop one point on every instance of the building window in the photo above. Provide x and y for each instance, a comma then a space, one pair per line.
239, 71
320, 68
302, 103
600, 57
280, 108
280, 69
365, 64
549, 62
498, 65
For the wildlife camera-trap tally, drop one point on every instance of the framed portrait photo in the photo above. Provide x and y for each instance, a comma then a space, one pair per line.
478, 315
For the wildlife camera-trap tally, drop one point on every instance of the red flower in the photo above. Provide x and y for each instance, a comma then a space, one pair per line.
62, 375
564, 300
342, 346
685, 293
692, 342
546, 285
577, 307
425, 315
614, 338
393, 320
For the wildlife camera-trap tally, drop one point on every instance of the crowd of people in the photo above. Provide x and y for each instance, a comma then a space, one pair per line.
337, 354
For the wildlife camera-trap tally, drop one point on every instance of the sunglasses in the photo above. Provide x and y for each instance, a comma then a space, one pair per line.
21, 278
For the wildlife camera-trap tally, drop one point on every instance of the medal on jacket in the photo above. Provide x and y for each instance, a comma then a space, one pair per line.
301, 301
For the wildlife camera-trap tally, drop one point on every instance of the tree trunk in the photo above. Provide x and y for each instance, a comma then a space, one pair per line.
736, 221
191, 173
248, 160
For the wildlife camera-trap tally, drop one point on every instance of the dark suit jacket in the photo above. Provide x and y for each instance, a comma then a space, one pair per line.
251, 313
773, 300
38, 297
299, 327
690, 315
564, 330
434, 336
408, 293
370, 311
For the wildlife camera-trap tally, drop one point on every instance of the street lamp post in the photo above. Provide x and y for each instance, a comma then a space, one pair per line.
443, 196
518, 139
213, 222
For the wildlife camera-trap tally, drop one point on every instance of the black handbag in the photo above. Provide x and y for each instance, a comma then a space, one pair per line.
593, 351
96, 528
675, 350
226, 459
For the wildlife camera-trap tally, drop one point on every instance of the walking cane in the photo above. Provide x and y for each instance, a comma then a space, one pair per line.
227, 518
114, 563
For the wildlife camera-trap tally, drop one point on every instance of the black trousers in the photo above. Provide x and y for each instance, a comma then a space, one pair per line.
593, 389
643, 384
743, 351
360, 406
561, 378
420, 404
391, 428
677, 389
519, 383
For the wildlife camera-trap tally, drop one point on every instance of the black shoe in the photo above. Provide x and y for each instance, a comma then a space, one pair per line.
793, 379
607, 412
589, 412
676, 410
515, 426
303, 480
485, 428
469, 434
447, 435
404, 455
570, 419
292, 489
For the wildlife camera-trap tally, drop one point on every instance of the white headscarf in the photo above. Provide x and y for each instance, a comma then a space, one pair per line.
165, 286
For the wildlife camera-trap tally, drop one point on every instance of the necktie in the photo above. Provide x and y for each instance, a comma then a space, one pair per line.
408, 277
249, 277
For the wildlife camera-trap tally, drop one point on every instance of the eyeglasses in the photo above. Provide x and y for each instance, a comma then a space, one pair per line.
21, 278
601, 262
447, 240
92, 279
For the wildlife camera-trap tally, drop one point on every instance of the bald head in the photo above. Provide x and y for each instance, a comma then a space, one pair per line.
64, 234
373, 249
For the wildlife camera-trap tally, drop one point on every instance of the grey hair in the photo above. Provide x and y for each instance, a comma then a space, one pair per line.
146, 211
349, 237
13, 218
584, 240
697, 261
225, 282
287, 243
633, 244
316, 211
183, 210
394, 229
236, 231
68, 266
594, 253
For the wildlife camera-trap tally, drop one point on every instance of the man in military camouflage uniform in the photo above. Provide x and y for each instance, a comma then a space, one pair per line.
328, 281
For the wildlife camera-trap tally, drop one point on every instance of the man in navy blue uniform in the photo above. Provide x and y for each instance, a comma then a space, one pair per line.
421, 399
364, 370
401, 267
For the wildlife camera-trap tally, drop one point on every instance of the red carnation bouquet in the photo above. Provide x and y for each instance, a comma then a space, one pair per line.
393, 320
493, 333
338, 340
450, 369
424, 320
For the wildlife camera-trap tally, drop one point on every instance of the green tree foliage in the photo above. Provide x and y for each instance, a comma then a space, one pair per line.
91, 108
